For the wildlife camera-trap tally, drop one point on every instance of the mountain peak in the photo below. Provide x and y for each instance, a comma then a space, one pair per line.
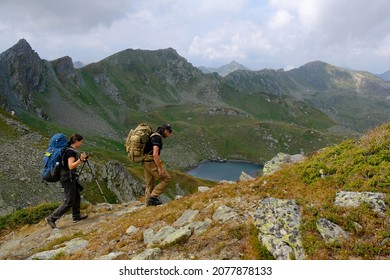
224, 70
22, 46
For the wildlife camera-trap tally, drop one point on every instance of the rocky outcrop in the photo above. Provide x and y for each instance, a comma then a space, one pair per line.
21, 76
109, 87
355, 199
278, 221
69, 248
121, 182
65, 70
331, 232
277, 162
245, 177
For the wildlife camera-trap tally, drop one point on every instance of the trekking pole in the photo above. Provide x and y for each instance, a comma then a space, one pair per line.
81, 170
93, 175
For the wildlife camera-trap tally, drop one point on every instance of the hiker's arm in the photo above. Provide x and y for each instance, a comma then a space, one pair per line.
73, 163
157, 160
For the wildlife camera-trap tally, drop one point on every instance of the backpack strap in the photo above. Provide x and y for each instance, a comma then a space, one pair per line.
63, 153
154, 134
151, 152
62, 162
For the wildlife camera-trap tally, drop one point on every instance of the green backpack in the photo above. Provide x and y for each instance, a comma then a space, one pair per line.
136, 141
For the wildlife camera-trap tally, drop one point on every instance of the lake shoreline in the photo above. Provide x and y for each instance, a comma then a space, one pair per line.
229, 170
221, 161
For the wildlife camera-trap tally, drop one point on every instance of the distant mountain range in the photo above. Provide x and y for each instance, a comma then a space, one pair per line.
78, 64
224, 70
385, 76
303, 109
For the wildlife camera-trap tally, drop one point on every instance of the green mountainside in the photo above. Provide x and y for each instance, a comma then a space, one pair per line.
247, 115
103, 100
354, 99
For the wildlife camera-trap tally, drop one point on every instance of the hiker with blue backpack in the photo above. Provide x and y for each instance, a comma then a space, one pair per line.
68, 178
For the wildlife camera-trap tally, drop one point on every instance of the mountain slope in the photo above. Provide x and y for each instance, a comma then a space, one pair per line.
355, 100
103, 100
223, 222
385, 76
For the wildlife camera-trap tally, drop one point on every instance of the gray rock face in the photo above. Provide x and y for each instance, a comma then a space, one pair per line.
278, 221
355, 199
148, 254
69, 248
224, 213
120, 181
185, 218
276, 163
21, 72
331, 232
65, 70
245, 177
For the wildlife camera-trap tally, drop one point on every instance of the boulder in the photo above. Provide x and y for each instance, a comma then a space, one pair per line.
278, 221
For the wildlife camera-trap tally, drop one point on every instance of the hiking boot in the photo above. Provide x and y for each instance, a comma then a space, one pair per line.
51, 223
153, 201
79, 218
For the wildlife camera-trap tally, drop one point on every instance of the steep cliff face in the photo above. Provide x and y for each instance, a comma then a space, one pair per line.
21, 76
65, 71
120, 181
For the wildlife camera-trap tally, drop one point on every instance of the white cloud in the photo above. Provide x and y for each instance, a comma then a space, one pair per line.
281, 19
232, 42
258, 34
71, 16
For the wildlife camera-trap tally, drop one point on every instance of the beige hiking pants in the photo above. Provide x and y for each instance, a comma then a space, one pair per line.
151, 174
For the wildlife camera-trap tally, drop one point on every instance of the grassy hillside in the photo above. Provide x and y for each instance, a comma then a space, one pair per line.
355, 100
354, 165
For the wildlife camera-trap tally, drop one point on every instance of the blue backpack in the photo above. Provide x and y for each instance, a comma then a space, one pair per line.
52, 161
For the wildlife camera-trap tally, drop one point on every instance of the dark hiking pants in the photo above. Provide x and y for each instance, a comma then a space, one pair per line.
72, 200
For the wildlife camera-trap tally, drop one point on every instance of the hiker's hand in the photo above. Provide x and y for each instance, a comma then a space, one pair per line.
83, 156
161, 172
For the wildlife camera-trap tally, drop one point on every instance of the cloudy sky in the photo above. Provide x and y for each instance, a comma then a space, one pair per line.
258, 34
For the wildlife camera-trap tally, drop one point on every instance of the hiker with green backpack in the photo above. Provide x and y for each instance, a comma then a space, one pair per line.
144, 146
69, 181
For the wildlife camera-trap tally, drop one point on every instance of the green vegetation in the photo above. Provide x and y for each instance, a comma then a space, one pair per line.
31, 215
6, 131
367, 168
354, 165
341, 164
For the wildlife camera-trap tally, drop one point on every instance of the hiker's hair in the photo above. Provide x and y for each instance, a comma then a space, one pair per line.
75, 137
161, 129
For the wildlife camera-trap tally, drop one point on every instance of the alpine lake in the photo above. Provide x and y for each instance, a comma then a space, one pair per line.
225, 170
